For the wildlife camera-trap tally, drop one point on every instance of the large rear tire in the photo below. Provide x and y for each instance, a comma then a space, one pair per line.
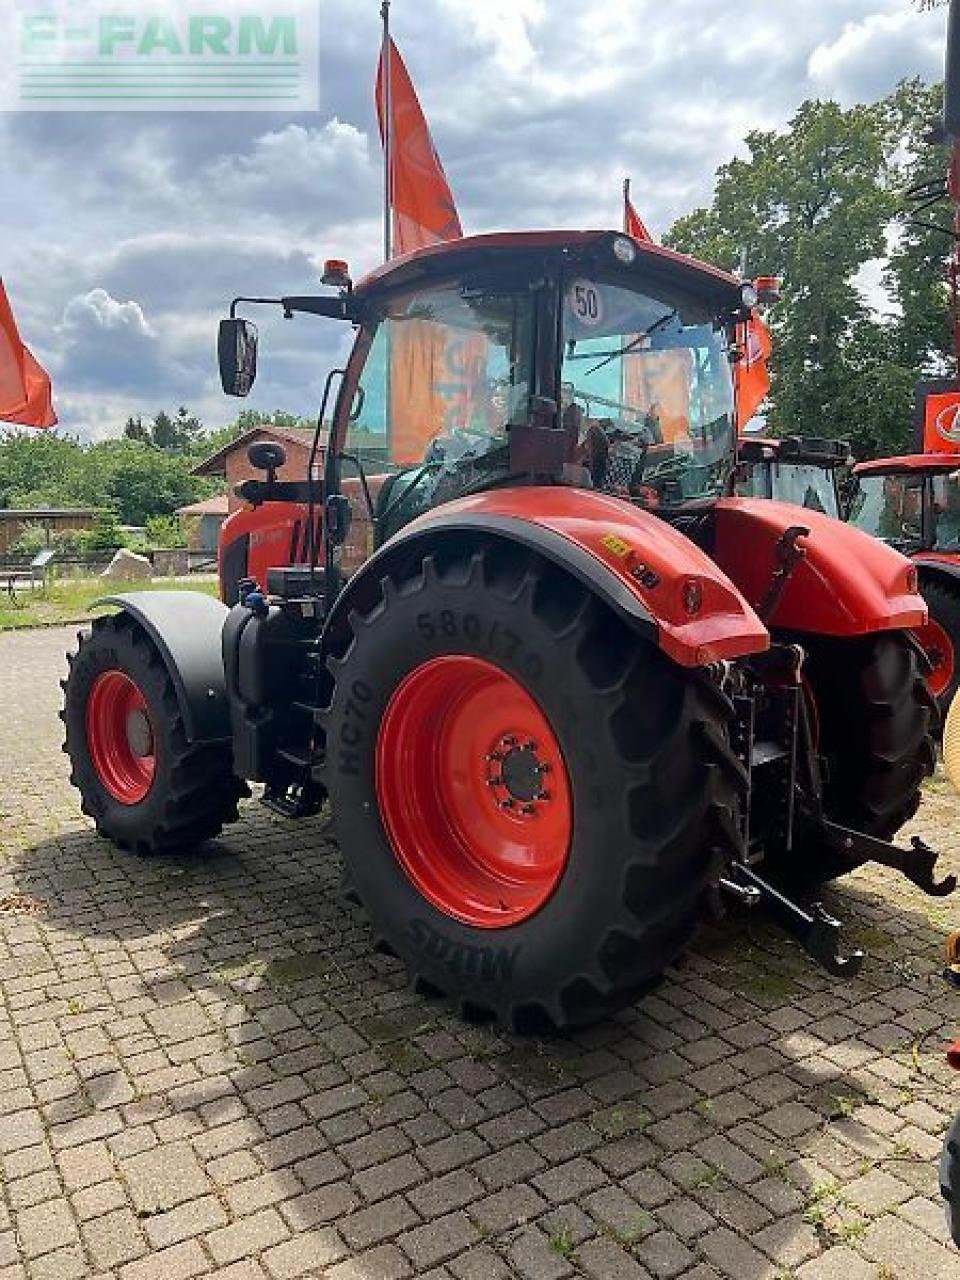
874, 717
469, 680
145, 786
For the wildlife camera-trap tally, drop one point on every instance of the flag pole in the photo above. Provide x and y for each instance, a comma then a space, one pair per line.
626, 202
386, 62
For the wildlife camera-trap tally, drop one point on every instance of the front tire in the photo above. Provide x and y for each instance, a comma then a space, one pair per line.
145, 786
543, 903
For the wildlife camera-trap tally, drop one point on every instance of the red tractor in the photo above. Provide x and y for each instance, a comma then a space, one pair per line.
913, 504
570, 694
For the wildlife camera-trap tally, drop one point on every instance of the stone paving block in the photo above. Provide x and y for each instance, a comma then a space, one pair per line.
180, 1262
163, 1177
308, 1252
114, 1238
44, 1227
604, 1259
248, 1236
907, 1252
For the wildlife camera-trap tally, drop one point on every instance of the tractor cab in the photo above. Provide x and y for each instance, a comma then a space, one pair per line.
802, 470
578, 359
911, 502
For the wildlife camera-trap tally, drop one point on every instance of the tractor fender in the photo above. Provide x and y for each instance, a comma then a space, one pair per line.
185, 626
933, 565
653, 577
847, 584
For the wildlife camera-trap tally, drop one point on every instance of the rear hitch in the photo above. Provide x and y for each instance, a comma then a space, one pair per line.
815, 929
916, 863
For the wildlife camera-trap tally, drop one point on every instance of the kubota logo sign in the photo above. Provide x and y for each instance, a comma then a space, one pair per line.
135, 55
948, 423
941, 423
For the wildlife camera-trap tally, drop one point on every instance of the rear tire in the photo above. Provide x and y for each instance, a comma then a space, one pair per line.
654, 788
189, 790
941, 640
875, 716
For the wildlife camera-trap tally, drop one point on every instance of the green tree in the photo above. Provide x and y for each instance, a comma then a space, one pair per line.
809, 204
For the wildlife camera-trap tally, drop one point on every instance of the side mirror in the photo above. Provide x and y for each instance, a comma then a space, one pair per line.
237, 355
268, 456
337, 519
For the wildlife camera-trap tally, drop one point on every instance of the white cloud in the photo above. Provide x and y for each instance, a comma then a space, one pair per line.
96, 309
128, 234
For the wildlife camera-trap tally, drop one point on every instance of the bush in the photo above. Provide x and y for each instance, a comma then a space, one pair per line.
106, 535
165, 531
33, 538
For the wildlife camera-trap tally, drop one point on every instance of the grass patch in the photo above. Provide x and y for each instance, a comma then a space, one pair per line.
69, 599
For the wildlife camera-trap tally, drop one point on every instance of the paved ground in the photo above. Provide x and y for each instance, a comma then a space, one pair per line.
204, 1071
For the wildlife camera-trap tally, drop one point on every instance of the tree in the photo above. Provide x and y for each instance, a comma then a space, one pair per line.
808, 205
814, 204
135, 430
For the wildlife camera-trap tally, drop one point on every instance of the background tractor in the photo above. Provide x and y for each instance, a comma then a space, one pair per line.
803, 470
561, 692
913, 503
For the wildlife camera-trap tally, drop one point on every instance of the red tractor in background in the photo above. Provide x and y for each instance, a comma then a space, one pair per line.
913, 503
567, 697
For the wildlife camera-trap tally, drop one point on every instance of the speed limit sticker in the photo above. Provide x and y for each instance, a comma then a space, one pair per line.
586, 303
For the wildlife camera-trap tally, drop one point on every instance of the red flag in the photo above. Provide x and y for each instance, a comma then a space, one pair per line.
25, 393
424, 211
632, 222
751, 373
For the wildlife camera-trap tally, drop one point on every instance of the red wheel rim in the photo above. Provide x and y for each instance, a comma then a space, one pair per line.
474, 792
120, 737
938, 646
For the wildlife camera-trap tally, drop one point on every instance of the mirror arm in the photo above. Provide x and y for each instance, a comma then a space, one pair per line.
341, 308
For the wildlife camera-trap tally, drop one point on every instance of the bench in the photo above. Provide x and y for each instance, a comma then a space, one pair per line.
35, 573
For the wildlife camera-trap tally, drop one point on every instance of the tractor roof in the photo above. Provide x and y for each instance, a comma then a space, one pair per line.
935, 463
815, 450
716, 286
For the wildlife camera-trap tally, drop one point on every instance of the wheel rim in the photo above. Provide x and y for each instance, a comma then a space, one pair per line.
474, 792
938, 646
120, 737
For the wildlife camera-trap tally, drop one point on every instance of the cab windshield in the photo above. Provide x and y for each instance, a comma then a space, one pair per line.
646, 388
889, 507
802, 483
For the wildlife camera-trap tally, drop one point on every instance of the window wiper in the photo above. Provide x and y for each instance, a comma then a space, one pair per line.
631, 346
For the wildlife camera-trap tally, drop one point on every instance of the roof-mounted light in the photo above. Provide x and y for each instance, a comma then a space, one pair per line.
336, 273
624, 250
768, 290
749, 296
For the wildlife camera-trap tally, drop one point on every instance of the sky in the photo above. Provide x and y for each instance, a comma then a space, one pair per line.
126, 234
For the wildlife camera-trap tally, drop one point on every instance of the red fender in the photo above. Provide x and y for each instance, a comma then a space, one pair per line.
699, 615
849, 584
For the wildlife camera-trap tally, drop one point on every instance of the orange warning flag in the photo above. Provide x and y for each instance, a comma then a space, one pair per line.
633, 224
423, 209
752, 373
25, 394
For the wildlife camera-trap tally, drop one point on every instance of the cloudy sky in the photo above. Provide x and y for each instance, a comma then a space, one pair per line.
124, 234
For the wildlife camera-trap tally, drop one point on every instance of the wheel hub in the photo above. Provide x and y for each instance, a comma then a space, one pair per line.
515, 775
139, 733
120, 737
463, 755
